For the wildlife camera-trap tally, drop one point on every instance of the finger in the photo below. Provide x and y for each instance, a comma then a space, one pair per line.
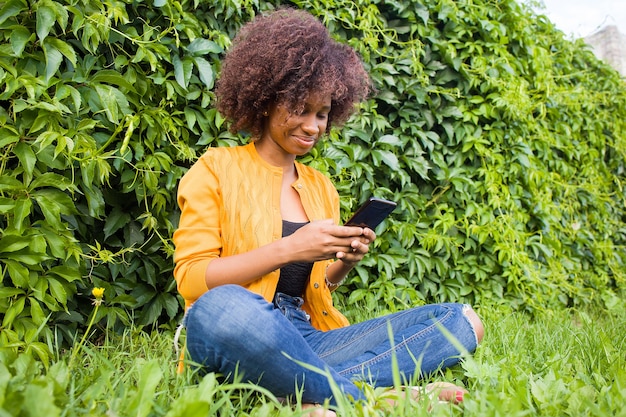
360, 250
348, 231
326, 224
351, 258
369, 234
360, 245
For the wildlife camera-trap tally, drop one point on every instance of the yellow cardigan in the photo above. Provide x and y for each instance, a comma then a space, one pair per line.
230, 204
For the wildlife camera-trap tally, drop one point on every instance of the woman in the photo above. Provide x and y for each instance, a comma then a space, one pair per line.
259, 248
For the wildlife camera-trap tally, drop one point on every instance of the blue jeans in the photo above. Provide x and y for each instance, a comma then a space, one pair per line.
231, 330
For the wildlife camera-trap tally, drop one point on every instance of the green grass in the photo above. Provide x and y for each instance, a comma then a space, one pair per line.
557, 363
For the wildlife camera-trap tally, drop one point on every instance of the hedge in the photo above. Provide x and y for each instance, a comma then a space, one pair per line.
502, 141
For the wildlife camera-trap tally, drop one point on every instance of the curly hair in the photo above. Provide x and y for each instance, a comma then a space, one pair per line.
280, 58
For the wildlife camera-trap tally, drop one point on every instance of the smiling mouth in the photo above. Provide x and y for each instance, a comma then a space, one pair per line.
305, 139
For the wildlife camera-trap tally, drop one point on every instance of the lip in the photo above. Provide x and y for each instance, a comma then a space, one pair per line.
305, 140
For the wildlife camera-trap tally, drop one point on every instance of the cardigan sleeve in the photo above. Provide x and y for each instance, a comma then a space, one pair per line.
197, 239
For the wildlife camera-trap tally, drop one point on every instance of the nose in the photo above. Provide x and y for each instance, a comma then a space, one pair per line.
310, 125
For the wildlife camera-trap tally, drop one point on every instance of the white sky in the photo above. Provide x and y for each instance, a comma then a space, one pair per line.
579, 18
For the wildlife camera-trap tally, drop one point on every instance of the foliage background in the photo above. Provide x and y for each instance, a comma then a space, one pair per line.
502, 141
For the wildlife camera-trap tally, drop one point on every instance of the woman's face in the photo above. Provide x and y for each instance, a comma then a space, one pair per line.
293, 133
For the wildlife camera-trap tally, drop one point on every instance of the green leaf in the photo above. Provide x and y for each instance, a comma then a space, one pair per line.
6, 205
171, 304
151, 312
53, 203
190, 117
207, 75
7, 137
15, 308
10, 9
182, 70
58, 291
65, 272
113, 78
51, 211
59, 245
390, 140
45, 403
22, 210
76, 99
8, 184
109, 102
63, 47
47, 137
42, 352
36, 312
26, 156
45, 20
19, 274
115, 221
452, 111
53, 61
50, 179
149, 378
200, 46
388, 158
13, 243
95, 202
19, 39
422, 12
49, 107
28, 258
8, 292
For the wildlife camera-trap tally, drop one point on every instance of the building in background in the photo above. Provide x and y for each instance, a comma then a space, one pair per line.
609, 45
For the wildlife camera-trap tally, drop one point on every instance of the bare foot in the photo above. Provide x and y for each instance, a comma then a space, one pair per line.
443, 391
317, 411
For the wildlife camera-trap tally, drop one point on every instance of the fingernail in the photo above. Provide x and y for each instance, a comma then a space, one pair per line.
459, 396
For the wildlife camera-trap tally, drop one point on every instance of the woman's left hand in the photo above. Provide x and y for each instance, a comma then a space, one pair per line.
360, 247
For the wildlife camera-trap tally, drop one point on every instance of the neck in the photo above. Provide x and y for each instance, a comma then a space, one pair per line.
275, 155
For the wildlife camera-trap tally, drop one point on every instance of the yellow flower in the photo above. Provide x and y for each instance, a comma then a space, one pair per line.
98, 293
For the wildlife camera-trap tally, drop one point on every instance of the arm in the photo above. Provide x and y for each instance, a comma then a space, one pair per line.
316, 241
248, 266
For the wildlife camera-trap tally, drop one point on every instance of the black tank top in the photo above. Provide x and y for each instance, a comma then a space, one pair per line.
294, 276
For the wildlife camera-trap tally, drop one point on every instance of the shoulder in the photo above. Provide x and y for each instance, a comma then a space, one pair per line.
223, 153
212, 163
221, 159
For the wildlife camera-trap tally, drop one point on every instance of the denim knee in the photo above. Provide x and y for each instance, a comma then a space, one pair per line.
221, 309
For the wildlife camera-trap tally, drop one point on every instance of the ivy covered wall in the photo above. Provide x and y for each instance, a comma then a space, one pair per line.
502, 141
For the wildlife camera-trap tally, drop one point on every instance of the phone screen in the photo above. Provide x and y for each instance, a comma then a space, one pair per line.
372, 213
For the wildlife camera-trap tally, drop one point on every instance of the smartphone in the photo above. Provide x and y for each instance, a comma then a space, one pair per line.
372, 213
